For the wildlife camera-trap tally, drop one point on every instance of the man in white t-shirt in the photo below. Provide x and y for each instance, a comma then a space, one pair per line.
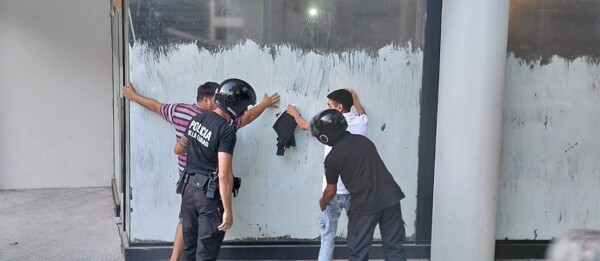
341, 100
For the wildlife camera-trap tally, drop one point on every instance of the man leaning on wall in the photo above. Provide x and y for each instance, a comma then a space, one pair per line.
179, 115
341, 100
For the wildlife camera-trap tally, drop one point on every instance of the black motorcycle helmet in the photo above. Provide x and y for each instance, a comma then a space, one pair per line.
234, 96
328, 125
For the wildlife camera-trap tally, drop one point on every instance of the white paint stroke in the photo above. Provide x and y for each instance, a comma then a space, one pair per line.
279, 196
550, 173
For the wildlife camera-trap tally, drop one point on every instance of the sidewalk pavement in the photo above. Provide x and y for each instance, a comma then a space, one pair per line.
58, 224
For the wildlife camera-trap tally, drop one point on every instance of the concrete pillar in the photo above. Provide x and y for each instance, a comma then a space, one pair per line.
472, 60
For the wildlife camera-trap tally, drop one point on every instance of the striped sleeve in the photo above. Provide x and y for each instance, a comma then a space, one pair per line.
236, 124
167, 111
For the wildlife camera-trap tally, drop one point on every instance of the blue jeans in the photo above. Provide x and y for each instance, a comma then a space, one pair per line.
329, 222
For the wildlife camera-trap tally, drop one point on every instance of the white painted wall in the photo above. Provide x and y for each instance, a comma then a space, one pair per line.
55, 94
550, 167
279, 195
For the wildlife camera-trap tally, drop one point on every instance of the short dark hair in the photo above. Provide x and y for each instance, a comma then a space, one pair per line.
207, 89
342, 96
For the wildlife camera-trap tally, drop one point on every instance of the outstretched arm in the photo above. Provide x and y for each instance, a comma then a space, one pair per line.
150, 104
252, 114
302, 123
357, 105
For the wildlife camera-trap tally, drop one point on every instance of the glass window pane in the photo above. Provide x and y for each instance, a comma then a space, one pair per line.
301, 49
549, 168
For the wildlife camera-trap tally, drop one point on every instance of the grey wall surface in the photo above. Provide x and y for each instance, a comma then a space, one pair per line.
550, 148
279, 195
549, 165
55, 94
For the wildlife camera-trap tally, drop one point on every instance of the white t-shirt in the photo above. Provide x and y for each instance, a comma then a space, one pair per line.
357, 124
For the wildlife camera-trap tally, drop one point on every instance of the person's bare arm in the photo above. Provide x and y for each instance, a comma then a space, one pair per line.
302, 123
328, 194
150, 104
181, 146
225, 189
252, 114
359, 108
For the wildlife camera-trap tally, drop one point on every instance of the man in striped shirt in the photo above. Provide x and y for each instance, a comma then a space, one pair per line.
180, 114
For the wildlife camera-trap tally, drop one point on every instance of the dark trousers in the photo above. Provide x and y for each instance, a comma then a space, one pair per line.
201, 217
361, 228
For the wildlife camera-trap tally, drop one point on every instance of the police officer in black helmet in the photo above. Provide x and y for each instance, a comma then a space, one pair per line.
206, 199
375, 196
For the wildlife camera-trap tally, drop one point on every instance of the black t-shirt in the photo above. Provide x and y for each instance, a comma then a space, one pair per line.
208, 134
354, 158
